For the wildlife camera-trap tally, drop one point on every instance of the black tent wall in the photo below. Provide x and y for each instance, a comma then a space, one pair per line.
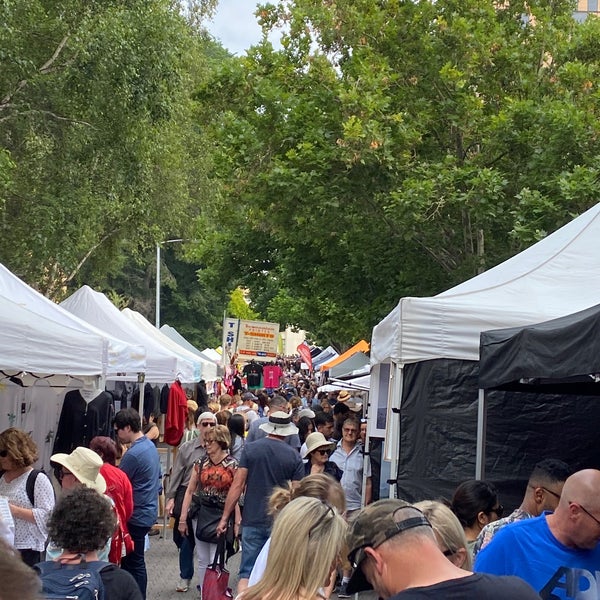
438, 431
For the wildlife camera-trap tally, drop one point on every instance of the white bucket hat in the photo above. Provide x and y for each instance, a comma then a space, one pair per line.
317, 440
279, 423
85, 465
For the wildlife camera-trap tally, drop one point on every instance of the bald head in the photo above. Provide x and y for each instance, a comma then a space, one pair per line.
583, 487
576, 521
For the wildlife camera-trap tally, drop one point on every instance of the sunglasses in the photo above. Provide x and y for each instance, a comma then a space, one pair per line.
208, 424
499, 511
3, 453
322, 452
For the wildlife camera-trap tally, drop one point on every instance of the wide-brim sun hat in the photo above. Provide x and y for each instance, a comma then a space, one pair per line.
317, 440
343, 396
85, 465
279, 423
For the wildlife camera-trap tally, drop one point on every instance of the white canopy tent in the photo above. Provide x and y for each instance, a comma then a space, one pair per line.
44, 350
167, 343
555, 277
117, 356
162, 365
209, 366
213, 355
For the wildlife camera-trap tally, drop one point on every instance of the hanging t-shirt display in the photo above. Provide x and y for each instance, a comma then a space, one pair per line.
253, 372
272, 375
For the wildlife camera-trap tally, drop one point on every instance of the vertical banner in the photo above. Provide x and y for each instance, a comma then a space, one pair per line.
304, 352
231, 328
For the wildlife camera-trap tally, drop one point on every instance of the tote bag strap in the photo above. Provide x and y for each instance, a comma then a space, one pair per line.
219, 559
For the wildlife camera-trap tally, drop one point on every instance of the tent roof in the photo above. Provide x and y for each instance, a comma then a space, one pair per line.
328, 354
560, 349
167, 343
44, 347
362, 346
209, 366
117, 356
552, 278
162, 366
352, 363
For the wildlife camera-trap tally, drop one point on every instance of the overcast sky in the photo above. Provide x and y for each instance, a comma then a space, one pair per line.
235, 25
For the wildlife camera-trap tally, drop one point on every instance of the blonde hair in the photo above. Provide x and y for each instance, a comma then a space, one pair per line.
447, 527
220, 434
214, 407
318, 485
306, 543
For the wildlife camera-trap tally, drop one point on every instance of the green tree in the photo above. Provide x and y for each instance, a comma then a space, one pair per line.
395, 149
99, 154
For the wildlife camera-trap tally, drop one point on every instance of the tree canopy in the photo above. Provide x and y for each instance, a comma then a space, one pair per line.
396, 148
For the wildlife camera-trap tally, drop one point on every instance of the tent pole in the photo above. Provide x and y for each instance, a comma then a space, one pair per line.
481, 429
397, 375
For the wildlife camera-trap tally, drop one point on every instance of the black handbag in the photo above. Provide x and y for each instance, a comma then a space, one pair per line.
207, 519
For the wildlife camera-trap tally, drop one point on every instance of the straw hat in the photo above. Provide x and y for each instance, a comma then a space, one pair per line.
85, 465
343, 396
317, 440
279, 423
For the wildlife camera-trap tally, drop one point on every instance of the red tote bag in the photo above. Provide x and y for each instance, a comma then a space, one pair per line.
216, 579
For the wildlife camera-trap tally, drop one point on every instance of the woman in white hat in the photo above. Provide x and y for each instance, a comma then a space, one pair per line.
318, 450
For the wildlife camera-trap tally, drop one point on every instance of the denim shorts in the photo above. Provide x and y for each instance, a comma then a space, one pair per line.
253, 539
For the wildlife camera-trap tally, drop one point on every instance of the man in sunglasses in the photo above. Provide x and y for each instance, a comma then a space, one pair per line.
556, 553
187, 454
541, 494
394, 551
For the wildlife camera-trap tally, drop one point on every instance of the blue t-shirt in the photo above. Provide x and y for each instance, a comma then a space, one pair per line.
270, 463
142, 465
528, 550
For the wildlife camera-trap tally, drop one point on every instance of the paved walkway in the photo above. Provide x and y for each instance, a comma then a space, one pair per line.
163, 572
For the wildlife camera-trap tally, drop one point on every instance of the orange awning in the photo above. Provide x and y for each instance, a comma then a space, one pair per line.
362, 346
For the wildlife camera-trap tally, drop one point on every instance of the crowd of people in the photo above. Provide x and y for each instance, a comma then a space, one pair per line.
285, 476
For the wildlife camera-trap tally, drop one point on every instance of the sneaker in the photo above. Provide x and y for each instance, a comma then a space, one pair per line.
183, 585
343, 591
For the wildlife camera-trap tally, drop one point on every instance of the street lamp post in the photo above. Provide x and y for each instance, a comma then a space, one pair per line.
158, 244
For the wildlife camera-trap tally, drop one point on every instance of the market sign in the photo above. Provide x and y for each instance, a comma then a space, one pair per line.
246, 340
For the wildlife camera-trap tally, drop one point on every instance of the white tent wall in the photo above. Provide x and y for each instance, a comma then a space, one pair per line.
553, 278
35, 410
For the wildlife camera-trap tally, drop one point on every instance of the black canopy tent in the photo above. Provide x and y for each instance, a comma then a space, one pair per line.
554, 366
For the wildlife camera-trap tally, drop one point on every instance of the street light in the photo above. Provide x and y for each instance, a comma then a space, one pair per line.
158, 244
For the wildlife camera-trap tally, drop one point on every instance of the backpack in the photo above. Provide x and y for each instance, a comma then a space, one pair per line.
81, 581
30, 484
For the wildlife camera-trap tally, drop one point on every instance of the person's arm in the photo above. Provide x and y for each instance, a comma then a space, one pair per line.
187, 501
127, 499
175, 480
235, 491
